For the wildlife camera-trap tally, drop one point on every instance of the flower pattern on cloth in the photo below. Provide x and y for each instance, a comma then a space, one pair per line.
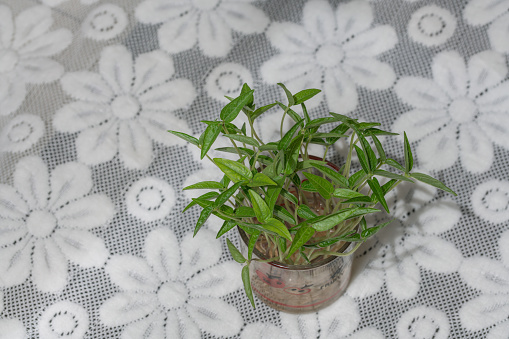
491, 278
461, 113
26, 48
53, 3
21, 133
104, 22
125, 107
208, 23
431, 25
45, 221
227, 79
333, 50
340, 320
396, 254
423, 322
495, 13
490, 201
150, 199
63, 319
10, 328
175, 291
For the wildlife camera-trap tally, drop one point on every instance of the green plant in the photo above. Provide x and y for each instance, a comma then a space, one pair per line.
267, 191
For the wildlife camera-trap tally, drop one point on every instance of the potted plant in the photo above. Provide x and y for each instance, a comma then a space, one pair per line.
299, 217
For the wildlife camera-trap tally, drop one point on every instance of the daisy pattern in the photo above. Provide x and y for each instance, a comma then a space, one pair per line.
423, 322
210, 23
173, 293
397, 253
26, 45
490, 277
125, 107
63, 320
21, 133
340, 320
490, 201
461, 113
333, 50
45, 221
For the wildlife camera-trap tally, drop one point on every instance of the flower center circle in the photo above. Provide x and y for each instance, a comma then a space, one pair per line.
463, 110
125, 107
431, 24
229, 82
20, 132
497, 201
64, 323
172, 294
41, 223
329, 55
150, 198
205, 5
8, 60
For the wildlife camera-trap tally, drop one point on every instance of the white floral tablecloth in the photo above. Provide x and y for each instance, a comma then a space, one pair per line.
93, 243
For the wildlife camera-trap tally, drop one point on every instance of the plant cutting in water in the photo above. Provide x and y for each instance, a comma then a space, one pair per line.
294, 208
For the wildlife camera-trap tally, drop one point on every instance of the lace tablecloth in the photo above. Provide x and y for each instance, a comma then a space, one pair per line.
93, 243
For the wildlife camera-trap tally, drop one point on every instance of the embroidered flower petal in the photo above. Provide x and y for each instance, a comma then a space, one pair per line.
481, 12
15, 263
131, 273
124, 308
372, 42
339, 319
290, 38
476, 150
216, 281
439, 150
151, 327
284, 67
423, 322
243, 18
215, 316
157, 11
170, 96
434, 253
496, 127
485, 70
135, 146
340, 91
419, 123
6, 26
319, 21
179, 34
497, 34
116, 68
369, 73
31, 24
152, 69
157, 125
437, 218
12, 205
421, 93
371, 333
302, 326
13, 327
199, 252
39, 70
49, 273
484, 311
450, 73
86, 213
87, 86
499, 331
484, 274
31, 179
11, 231
495, 99
403, 278
214, 36
80, 115
179, 325
47, 45
367, 279
98, 144
263, 330
162, 253
69, 181
352, 18
81, 247
503, 245
12, 94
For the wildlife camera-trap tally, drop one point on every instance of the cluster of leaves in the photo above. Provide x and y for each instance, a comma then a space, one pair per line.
267, 192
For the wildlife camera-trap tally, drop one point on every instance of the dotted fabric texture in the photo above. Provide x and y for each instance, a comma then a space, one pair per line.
93, 243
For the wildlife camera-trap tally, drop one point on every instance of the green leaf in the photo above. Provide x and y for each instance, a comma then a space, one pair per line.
363, 224
213, 185
378, 192
261, 110
227, 226
354, 178
283, 214
206, 196
369, 232
395, 164
389, 185
332, 174
371, 157
366, 125
329, 135
244, 212
363, 199
252, 243
225, 181
344, 193
323, 186
351, 237
330, 221
208, 137
204, 215
340, 129
302, 165
319, 122
236, 255
244, 139
379, 148
305, 95
290, 112
247, 284
268, 147
391, 175
233, 150
289, 196
273, 192
186, 137
261, 179
301, 237
305, 111
287, 138
307, 186
289, 96
243, 129
233, 108
223, 197
260, 207
409, 159
344, 118
278, 227
245, 90
362, 159
282, 244
431, 181
376, 131
305, 212
234, 170
318, 141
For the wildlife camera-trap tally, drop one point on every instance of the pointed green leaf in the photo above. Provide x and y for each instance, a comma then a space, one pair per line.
329, 135
431, 181
303, 235
244, 212
289, 196
233, 108
287, 138
344, 193
244, 139
362, 159
330, 221
283, 214
305, 212
243, 129
305, 111
227, 226
233, 150
245, 90
289, 96
208, 137
261, 110
206, 196
268, 147
368, 151
367, 125
391, 175
307, 186
344, 118
332, 174
247, 284
186, 137
223, 197
234, 170
363, 199
395, 164
273, 192
261, 179
204, 215
302, 165
409, 159
252, 243
213, 185
341, 130
376, 131
379, 148
319, 122
236, 255
290, 112
305, 95
323, 186
389, 185
276, 226
261, 209
378, 192
369, 232
355, 178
